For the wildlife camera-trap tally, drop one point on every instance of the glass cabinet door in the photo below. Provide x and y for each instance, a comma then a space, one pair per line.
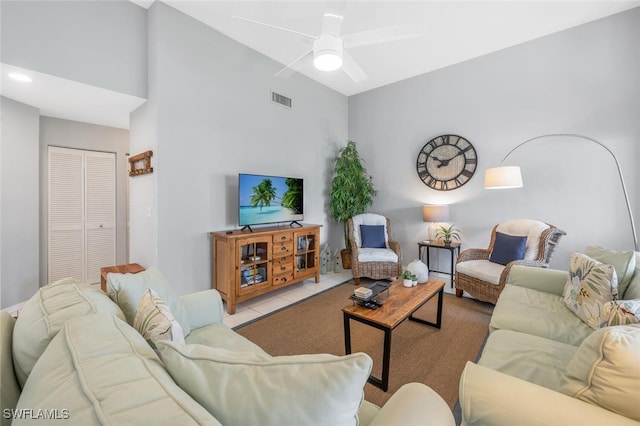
254, 262
305, 251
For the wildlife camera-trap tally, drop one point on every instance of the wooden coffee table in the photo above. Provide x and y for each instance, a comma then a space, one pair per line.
398, 304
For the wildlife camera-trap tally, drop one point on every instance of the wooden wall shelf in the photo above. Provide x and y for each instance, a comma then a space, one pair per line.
140, 164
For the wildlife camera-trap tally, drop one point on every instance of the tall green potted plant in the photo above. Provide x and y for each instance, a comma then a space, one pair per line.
352, 192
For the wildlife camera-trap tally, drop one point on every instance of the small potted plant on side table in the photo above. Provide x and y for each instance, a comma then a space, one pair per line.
447, 233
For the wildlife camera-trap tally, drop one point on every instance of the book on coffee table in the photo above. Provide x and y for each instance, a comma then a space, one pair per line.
376, 288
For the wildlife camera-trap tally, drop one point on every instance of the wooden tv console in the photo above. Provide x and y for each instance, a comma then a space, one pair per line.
247, 264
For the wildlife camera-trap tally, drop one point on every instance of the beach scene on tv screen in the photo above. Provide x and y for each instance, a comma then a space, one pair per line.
269, 199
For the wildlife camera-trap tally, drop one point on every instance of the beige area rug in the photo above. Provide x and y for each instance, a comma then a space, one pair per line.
419, 353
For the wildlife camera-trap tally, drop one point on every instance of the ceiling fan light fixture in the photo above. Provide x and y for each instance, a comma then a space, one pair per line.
327, 61
327, 53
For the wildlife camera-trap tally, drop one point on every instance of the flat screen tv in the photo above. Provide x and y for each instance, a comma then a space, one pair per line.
269, 199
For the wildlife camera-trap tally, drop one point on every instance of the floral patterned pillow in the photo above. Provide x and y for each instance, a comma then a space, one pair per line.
622, 312
155, 321
590, 286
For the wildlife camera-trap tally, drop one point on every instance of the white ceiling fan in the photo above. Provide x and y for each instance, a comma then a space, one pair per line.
328, 48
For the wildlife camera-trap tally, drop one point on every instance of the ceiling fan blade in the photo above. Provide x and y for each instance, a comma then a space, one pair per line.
293, 66
307, 36
331, 24
352, 69
380, 35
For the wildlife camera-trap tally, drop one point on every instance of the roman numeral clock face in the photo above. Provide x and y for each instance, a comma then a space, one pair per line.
446, 162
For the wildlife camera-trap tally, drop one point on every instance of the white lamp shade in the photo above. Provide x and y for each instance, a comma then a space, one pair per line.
503, 177
435, 213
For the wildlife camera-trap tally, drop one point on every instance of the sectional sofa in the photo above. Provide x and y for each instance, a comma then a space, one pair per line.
78, 360
541, 364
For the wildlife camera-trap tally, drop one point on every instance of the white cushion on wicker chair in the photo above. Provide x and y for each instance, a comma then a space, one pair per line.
375, 263
482, 270
377, 255
370, 219
521, 227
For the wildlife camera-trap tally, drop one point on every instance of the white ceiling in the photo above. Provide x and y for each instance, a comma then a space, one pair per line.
69, 100
453, 31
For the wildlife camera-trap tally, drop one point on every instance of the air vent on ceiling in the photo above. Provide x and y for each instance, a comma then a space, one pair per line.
280, 99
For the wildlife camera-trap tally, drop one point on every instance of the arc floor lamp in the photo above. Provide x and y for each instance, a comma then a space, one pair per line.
511, 177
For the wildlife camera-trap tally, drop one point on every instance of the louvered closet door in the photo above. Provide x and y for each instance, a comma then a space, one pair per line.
81, 213
66, 213
100, 217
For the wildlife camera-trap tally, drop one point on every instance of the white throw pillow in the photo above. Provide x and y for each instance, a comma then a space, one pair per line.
242, 388
589, 286
605, 370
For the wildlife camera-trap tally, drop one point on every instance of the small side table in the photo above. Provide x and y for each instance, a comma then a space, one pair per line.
454, 249
129, 268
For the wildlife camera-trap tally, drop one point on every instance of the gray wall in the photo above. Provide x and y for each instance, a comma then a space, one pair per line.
582, 80
211, 117
19, 202
98, 43
101, 43
91, 137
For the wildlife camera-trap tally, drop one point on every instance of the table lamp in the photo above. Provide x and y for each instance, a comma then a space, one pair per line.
434, 214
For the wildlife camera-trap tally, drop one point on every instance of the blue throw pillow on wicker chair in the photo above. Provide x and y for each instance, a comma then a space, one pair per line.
507, 248
372, 236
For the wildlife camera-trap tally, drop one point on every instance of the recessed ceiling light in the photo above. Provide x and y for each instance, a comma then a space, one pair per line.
20, 77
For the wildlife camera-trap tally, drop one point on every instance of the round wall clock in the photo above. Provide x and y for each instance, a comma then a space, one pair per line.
446, 162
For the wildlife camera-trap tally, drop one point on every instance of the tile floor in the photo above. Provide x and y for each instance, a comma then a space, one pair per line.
283, 297
278, 299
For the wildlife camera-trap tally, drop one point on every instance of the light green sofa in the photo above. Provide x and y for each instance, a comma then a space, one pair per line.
71, 356
537, 348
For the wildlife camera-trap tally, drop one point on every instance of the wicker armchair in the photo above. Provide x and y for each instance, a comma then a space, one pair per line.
376, 263
485, 280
